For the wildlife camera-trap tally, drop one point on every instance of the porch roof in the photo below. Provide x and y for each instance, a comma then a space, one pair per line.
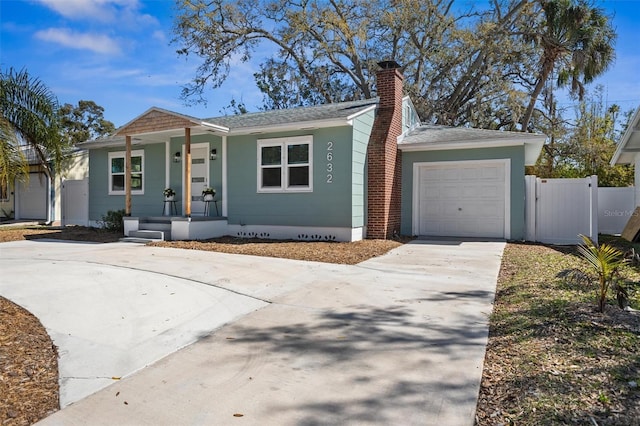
629, 145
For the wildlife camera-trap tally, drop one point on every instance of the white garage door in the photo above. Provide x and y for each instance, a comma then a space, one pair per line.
462, 199
32, 198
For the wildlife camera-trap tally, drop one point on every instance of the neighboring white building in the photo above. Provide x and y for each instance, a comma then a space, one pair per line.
628, 151
40, 199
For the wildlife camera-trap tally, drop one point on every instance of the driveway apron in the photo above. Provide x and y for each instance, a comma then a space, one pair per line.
398, 339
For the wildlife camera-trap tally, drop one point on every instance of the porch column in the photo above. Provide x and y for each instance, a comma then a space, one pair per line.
187, 171
127, 178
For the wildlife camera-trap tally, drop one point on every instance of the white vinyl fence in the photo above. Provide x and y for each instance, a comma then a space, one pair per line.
75, 202
558, 210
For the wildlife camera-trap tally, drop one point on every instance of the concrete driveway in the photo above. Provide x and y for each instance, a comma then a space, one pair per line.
399, 339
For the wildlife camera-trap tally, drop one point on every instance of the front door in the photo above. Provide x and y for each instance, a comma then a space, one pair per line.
199, 176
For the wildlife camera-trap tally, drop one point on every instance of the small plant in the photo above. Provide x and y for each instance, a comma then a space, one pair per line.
605, 260
604, 399
208, 191
168, 192
113, 221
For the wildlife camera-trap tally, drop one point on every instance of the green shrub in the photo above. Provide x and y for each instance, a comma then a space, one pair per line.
113, 221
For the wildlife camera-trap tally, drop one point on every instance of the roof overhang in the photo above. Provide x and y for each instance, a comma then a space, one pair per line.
532, 145
629, 146
288, 127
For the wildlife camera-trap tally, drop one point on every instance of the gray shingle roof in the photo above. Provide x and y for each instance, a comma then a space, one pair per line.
435, 135
342, 110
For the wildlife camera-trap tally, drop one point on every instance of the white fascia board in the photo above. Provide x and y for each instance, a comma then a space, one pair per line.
301, 125
532, 150
426, 146
352, 116
215, 127
102, 143
633, 127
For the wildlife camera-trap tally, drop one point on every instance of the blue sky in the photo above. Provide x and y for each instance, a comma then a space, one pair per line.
117, 53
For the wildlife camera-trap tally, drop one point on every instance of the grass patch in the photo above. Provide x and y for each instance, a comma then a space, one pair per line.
552, 358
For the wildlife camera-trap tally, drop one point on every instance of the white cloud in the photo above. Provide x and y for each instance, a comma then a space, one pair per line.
122, 11
159, 35
97, 43
97, 9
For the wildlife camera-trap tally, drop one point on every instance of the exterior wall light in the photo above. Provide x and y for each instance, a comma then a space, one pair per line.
214, 154
177, 156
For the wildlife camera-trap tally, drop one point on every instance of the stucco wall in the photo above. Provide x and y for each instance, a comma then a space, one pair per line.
517, 193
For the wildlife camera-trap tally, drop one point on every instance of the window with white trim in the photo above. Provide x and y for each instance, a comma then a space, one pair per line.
116, 172
285, 164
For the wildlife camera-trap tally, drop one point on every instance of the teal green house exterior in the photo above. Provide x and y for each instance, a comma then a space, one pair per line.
306, 174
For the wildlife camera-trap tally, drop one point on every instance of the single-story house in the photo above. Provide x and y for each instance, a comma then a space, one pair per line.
342, 171
628, 151
39, 198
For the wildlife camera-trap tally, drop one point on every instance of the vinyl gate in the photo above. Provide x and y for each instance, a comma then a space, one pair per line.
75, 202
558, 210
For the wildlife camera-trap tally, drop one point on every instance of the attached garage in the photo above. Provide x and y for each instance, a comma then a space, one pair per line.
32, 197
462, 182
462, 198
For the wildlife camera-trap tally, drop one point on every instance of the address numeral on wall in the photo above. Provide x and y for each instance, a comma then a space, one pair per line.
329, 162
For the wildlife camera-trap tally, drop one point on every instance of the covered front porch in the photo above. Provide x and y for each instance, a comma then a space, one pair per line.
168, 171
167, 228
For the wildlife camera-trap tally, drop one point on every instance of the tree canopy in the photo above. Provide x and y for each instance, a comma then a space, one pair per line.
584, 145
83, 122
463, 65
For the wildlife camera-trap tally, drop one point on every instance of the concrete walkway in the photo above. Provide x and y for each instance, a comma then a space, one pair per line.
398, 339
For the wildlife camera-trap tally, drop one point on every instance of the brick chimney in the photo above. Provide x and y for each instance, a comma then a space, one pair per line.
384, 161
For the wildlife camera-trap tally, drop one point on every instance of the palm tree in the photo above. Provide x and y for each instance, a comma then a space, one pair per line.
13, 163
29, 122
605, 260
576, 41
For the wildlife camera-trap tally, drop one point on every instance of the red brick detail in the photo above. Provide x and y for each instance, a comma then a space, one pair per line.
155, 121
384, 159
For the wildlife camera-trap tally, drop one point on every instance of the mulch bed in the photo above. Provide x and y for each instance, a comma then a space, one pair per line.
71, 233
28, 367
316, 251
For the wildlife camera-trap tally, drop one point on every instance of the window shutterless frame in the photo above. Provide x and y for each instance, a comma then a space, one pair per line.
117, 173
285, 164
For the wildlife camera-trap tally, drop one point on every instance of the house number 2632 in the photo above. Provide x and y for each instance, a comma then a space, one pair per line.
329, 162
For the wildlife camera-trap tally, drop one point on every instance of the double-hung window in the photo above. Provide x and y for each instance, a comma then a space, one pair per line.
285, 164
116, 172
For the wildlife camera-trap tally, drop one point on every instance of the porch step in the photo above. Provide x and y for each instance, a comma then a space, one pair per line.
137, 240
156, 228
147, 234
